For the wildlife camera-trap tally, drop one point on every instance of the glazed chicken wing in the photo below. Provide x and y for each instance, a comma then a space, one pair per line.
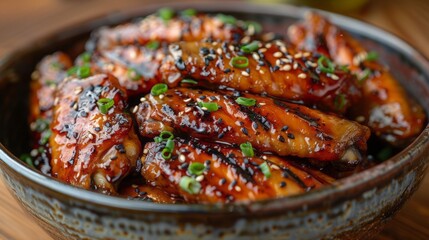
271, 69
224, 175
269, 125
93, 142
385, 107
155, 28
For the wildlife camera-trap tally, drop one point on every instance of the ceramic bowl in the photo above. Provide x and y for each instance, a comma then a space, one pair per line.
353, 208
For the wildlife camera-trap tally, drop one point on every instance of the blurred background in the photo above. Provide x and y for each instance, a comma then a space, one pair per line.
23, 21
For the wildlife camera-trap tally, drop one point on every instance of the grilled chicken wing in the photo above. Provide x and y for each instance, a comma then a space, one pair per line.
228, 176
93, 141
49, 73
385, 107
272, 69
155, 28
271, 125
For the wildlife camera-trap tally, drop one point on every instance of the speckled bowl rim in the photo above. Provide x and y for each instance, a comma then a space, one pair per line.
342, 189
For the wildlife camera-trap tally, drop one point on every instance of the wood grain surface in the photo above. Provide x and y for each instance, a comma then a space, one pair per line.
22, 21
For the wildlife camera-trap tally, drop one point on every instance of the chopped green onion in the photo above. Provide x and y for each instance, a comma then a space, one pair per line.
188, 12
57, 65
166, 13
27, 159
344, 68
265, 169
364, 75
164, 136
159, 89
166, 153
104, 104
384, 153
189, 81
72, 70
86, 57
255, 25
169, 145
44, 138
196, 168
190, 185
247, 149
40, 125
226, 19
371, 56
328, 68
248, 102
152, 45
251, 47
239, 62
211, 106
133, 74
83, 71
340, 101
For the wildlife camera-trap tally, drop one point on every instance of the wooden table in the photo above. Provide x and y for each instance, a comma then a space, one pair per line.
22, 21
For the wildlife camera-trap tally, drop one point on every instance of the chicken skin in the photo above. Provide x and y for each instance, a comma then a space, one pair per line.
385, 107
227, 175
93, 142
269, 125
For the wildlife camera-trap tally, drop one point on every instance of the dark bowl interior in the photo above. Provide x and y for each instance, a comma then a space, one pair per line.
407, 65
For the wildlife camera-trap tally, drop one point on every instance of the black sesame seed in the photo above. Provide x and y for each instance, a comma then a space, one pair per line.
107, 124
212, 98
275, 68
282, 184
222, 181
285, 174
291, 136
254, 125
180, 64
202, 97
227, 70
83, 114
261, 63
184, 165
207, 163
97, 129
113, 157
244, 130
204, 51
281, 138
206, 61
75, 134
248, 70
285, 128
219, 121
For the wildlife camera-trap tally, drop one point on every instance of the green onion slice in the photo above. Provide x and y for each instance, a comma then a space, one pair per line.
104, 104
164, 136
72, 71
169, 145
239, 62
86, 57
255, 25
364, 75
211, 106
188, 12
371, 56
248, 102
189, 81
44, 137
251, 47
133, 74
340, 101
166, 153
196, 168
27, 159
83, 71
227, 19
247, 149
159, 89
166, 13
265, 169
152, 45
190, 185
328, 68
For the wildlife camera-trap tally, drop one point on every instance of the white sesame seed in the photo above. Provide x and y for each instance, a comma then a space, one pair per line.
188, 109
286, 67
295, 66
90, 136
264, 157
261, 71
251, 29
200, 178
244, 73
33, 152
187, 100
286, 60
298, 55
275, 167
311, 64
277, 54
245, 40
302, 75
268, 45
182, 158
75, 106
219, 51
283, 49
231, 48
56, 101
334, 77
306, 54
255, 56
262, 104
237, 188
268, 36
142, 99
161, 96
204, 108
145, 151
262, 50
135, 109
258, 67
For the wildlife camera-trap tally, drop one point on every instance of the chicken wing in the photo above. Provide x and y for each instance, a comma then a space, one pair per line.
271, 69
270, 125
225, 175
385, 106
93, 142
155, 28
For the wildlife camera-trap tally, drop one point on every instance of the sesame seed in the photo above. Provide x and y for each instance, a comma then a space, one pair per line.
264, 157
302, 75
90, 136
298, 55
33, 152
291, 136
161, 96
311, 64
268, 45
142, 99
283, 49
255, 56
261, 71
135, 109
187, 100
295, 66
182, 158
284, 128
282, 184
306, 54
286, 67
200, 178
277, 54
78, 90
204, 108
219, 51
275, 167
244, 73
222, 181
188, 109
245, 40
262, 103
334, 77
281, 138
145, 151
262, 50
231, 48
237, 188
